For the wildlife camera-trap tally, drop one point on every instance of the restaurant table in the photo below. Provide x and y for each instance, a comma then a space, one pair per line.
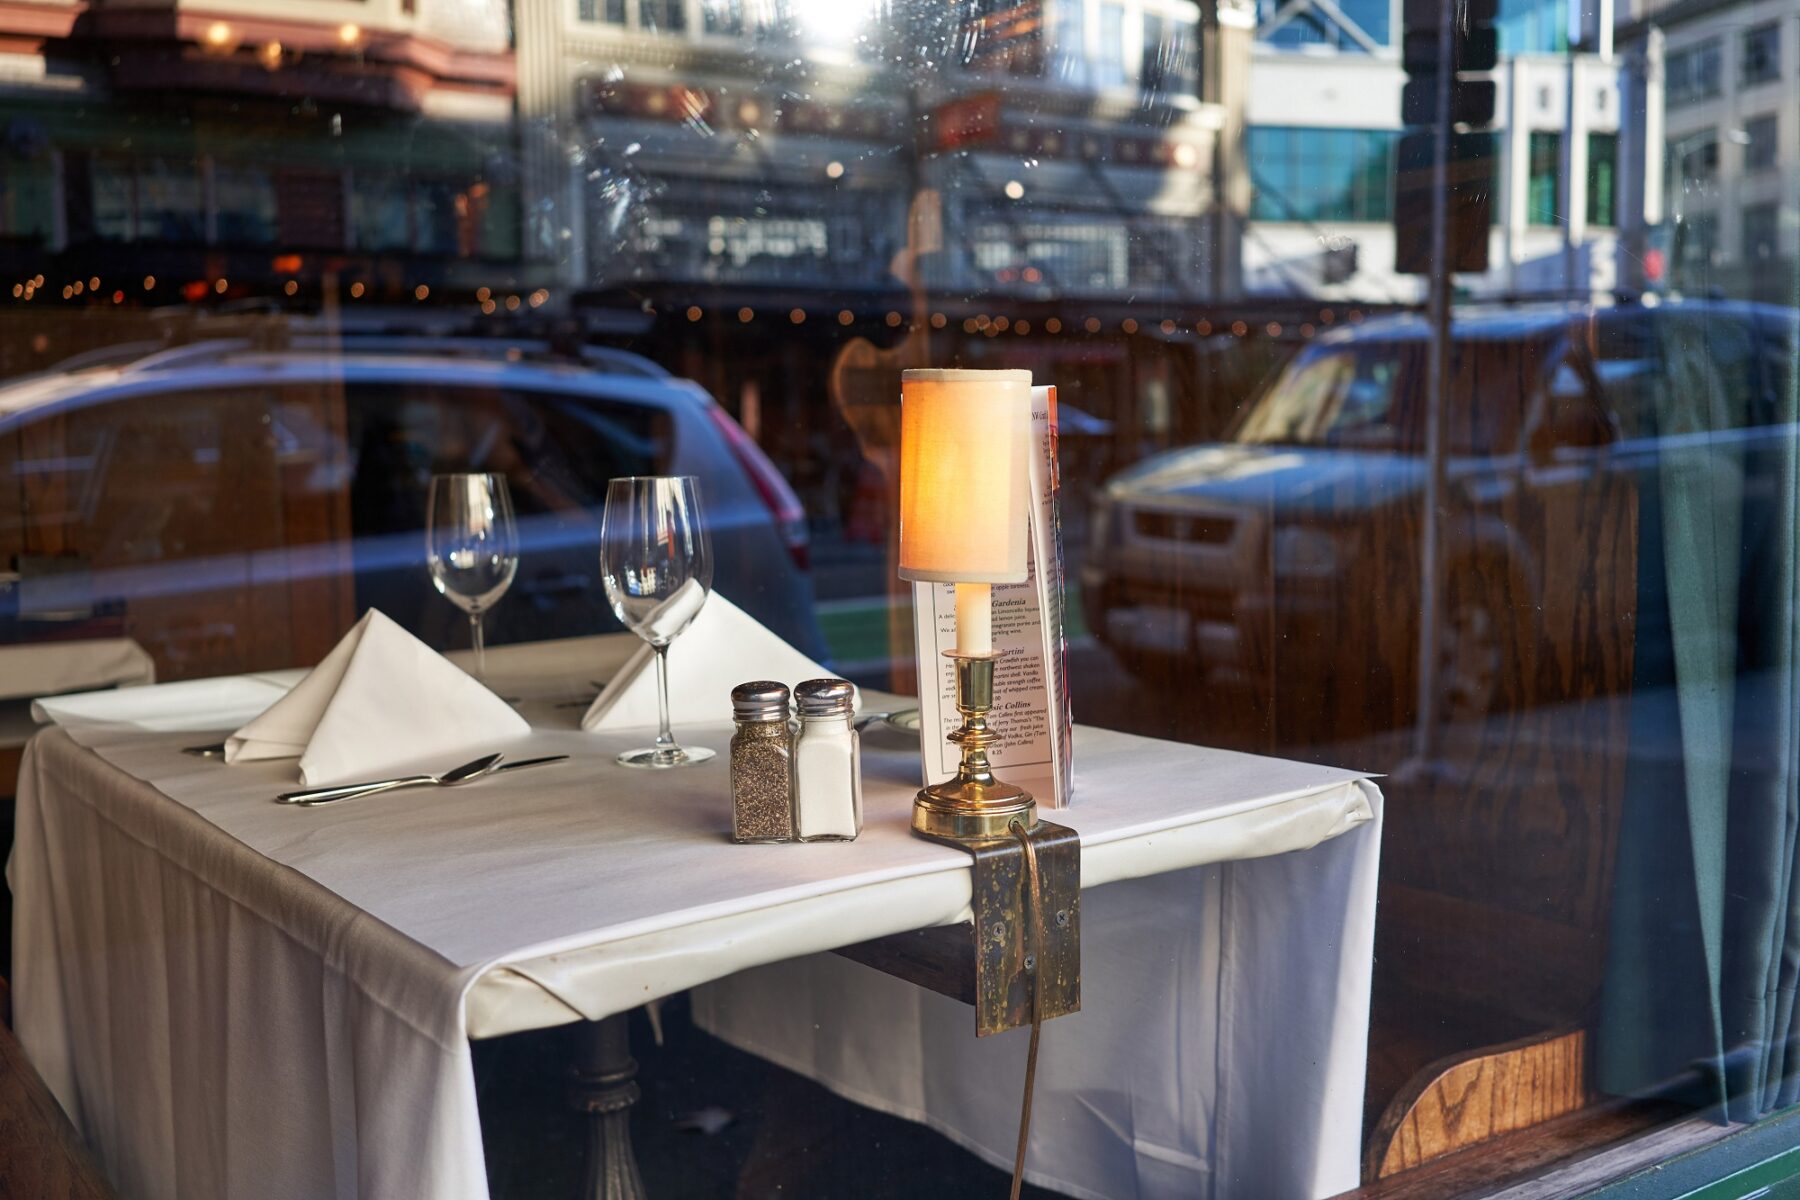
232, 997
74, 665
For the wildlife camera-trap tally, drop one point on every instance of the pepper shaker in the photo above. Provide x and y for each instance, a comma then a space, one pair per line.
762, 787
827, 763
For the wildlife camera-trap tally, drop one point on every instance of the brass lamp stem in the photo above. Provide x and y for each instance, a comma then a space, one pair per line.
974, 806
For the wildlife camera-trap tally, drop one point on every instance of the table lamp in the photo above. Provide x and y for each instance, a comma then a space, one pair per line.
963, 492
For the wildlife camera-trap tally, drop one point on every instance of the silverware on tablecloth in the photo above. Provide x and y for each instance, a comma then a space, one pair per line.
316, 796
471, 770
530, 762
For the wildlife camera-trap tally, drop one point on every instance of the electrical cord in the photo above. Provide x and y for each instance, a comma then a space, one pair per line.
1035, 903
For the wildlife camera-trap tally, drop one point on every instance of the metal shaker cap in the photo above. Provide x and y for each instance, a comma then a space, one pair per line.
825, 697
760, 700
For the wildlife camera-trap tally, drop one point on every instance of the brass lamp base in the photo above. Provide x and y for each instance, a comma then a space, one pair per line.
952, 812
974, 806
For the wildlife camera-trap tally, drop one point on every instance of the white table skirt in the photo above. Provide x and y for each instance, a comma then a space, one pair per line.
234, 998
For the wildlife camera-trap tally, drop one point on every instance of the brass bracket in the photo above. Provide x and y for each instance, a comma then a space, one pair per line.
989, 962
1004, 956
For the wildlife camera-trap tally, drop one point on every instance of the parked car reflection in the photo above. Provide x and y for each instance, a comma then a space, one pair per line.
1290, 550
233, 508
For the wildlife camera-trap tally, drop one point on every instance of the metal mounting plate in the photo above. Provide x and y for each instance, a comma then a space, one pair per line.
1002, 929
984, 963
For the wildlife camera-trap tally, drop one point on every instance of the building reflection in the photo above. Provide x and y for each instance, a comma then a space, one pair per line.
237, 151
1082, 148
1076, 144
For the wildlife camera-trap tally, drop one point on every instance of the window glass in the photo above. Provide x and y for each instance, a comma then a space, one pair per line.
667, 16
1762, 231
1627, 366
1692, 74
496, 211
1310, 29
1762, 142
1761, 59
1371, 17
438, 218
27, 202
168, 201
149, 198
1509, 522
382, 213
1696, 248
1533, 26
1168, 64
1602, 178
245, 200
150, 515
1694, 165
556, 451
1544, 185
1371, 398
1067, 28
722, 16
114, 201
1320, 174
1109, 62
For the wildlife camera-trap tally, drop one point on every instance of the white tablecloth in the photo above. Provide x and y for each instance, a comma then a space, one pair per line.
235, 998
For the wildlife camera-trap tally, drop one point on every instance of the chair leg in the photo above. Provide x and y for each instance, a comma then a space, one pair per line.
604, 1088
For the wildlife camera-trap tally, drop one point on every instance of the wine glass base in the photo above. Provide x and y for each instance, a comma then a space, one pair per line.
653, 758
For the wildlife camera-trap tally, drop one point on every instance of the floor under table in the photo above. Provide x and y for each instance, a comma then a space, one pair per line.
713, 1122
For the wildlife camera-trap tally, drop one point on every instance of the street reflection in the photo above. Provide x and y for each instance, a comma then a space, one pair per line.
261, 277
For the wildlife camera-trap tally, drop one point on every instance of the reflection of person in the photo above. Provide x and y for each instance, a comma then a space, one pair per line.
402, 442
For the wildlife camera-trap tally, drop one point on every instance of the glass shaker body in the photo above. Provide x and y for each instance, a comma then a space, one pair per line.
762, 787
827, 763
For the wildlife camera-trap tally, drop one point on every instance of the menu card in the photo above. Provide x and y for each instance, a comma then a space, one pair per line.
1031, 680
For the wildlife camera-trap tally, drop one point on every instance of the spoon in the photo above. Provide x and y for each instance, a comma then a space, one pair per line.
474, 769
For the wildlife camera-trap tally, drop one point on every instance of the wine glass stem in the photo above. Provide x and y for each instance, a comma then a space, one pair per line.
476, 640
665, 739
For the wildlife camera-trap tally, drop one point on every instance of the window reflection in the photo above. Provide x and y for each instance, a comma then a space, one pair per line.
250, 302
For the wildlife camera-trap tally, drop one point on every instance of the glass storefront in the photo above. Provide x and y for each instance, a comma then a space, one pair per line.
263, 275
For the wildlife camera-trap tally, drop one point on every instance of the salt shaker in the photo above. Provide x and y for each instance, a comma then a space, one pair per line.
827, 763
762, 782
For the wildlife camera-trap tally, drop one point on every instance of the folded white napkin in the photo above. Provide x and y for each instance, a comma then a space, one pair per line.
725, 646
380, 697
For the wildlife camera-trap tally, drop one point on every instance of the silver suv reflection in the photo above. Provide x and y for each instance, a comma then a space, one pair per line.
1288, 553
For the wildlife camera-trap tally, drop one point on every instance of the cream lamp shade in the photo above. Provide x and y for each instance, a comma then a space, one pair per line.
963, 483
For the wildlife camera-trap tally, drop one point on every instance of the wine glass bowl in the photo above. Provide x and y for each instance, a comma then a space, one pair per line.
472, 546
656, 561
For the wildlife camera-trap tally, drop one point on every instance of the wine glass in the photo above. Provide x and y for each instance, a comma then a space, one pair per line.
656, 558
472, 546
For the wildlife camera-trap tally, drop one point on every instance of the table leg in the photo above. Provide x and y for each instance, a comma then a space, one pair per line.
605, 1087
